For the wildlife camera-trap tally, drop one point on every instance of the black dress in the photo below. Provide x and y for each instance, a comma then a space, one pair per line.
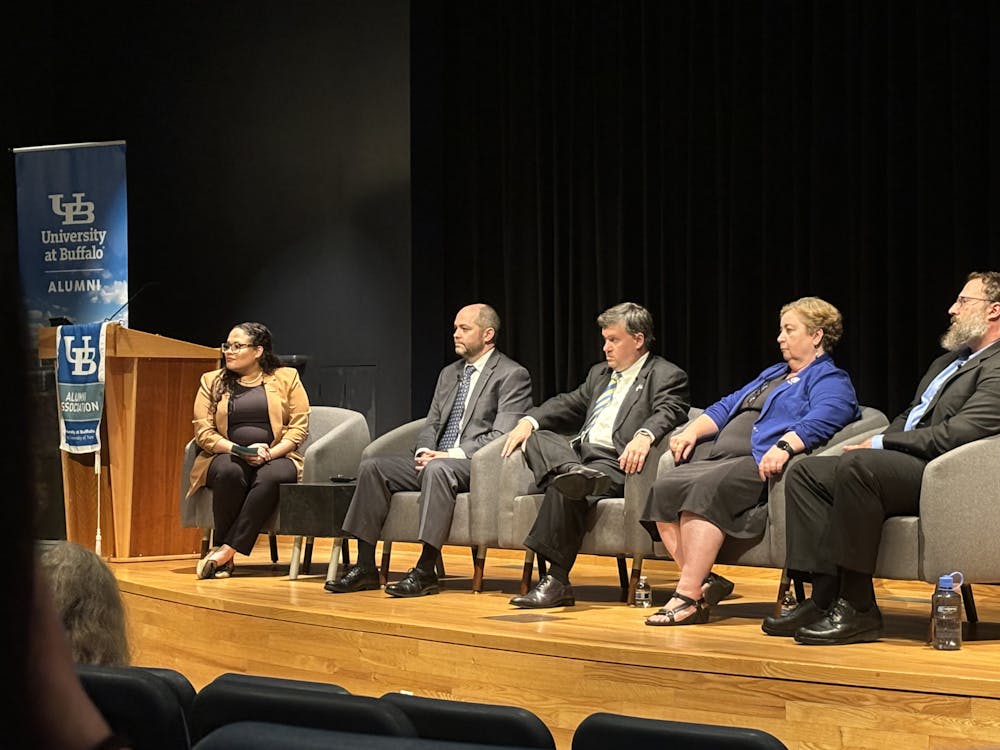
721, 483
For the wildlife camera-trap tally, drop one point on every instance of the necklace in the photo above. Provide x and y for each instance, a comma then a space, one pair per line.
252, 381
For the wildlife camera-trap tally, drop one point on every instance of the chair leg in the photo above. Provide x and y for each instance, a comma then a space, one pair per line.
970, 603
529, 566
623, 578
339, 547
272, 539
293, 568
783, 587
308, 557
439, 566
634, 578
478, 567
386, 555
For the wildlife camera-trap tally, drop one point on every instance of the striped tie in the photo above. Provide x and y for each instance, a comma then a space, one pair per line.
602, 401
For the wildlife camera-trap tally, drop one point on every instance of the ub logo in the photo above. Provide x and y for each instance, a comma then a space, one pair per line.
83, 357
78, 211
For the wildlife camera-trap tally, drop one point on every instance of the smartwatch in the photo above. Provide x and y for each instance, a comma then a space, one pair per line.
786, 447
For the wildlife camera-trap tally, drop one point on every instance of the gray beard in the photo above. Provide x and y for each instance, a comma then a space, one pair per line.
961, 332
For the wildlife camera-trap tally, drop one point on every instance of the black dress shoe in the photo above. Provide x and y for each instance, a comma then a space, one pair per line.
716, 588
807, 613
358, 578
842, 624
415, 583
582, 481
548, 592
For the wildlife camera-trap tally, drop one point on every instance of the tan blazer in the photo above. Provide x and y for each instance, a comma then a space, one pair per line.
287, 408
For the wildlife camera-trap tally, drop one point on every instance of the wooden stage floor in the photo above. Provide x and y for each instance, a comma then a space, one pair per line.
565, 664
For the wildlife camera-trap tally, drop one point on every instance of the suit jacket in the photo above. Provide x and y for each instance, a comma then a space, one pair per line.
657, 401
500, 398
965, 408
287, 410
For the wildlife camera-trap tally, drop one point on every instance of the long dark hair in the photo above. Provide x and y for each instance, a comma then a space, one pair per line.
269, 362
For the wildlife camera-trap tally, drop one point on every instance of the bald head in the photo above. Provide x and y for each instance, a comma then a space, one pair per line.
476, 327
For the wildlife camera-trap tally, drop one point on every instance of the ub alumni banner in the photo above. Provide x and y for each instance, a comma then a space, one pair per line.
72, 228
80, 385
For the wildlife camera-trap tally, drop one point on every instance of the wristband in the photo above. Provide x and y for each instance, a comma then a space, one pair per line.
786, 447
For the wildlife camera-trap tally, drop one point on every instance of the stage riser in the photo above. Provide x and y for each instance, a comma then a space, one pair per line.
203, 642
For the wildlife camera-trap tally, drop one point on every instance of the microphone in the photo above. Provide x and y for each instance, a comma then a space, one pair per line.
129, 300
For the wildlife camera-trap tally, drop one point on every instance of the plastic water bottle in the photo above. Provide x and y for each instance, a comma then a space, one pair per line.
946, 613
788, 602
643, 593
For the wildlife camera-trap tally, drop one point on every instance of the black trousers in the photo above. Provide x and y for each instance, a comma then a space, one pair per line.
836, 505
439, 482
244, 497
561, 523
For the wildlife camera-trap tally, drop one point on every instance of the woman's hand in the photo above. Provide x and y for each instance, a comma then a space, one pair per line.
263, 454
682, 444
773, 463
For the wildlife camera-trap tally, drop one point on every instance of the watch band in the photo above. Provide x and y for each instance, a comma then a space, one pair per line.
786, 447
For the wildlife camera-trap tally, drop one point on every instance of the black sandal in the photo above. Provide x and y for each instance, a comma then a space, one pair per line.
698, 617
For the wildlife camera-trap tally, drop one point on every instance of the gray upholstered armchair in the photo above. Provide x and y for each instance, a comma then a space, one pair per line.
474, 523
613, 526
336, 440
958, 525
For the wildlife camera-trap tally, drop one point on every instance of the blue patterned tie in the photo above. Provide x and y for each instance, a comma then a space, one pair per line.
450, 434
602, 401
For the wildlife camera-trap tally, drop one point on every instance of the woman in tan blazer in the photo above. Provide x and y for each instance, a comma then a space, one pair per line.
250, 418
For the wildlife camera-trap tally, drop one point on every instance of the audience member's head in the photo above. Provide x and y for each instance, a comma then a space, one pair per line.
89, 603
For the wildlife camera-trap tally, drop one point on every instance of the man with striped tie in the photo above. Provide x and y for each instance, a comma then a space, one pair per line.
626, 404
477, 399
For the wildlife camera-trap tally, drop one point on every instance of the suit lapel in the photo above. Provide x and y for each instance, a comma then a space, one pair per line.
634, 391
968, 367
481, 381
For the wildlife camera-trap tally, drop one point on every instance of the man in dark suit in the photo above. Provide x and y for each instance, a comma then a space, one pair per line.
625, 405
478, 398
836, 505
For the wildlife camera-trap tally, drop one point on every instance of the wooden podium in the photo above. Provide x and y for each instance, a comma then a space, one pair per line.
150, 383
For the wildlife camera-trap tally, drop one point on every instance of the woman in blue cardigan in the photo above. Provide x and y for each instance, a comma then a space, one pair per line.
737, 445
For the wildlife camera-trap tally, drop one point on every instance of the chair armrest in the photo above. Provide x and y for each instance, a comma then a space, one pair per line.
516, 479
338, 451
960, 514
484, 492
396, 442
637, 487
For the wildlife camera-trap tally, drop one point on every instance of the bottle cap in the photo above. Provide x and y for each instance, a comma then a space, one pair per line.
945, 582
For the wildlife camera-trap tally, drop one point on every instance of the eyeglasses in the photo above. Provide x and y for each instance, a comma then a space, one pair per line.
235, 348
963, 301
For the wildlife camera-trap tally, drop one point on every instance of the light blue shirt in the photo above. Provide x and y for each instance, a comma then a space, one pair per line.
918, 411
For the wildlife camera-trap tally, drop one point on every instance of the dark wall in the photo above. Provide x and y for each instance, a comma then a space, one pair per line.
268, 167
268, 170
713, 160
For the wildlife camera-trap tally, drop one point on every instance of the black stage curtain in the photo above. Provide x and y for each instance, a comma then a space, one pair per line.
711, 160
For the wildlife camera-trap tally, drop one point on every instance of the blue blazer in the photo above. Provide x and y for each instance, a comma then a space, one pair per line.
813, 405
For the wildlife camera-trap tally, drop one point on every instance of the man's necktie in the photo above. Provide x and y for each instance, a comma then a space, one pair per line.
450, 434
600, 405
